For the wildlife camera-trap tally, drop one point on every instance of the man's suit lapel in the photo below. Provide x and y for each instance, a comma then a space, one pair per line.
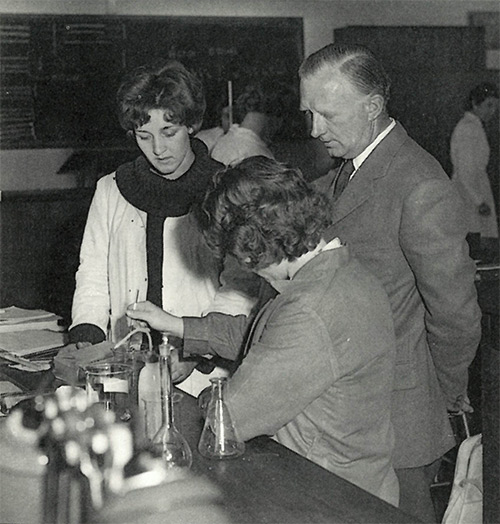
358, 190
361, 187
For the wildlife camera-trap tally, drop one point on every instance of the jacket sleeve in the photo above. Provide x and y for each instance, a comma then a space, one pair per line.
86, 333
215, 334
91, 302
432, 237
267, 390
286, 369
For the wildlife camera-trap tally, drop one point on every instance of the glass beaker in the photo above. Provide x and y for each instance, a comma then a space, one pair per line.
168, 441
108, 384
218, 438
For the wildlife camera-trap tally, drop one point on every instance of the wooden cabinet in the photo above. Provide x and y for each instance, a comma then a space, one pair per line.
40, 236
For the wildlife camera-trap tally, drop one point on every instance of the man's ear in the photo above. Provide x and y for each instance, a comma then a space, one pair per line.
375, 106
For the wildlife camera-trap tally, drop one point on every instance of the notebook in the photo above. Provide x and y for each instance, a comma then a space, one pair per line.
31, 342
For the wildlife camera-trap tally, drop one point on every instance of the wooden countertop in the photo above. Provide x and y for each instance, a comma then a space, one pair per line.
269, 483
272, 484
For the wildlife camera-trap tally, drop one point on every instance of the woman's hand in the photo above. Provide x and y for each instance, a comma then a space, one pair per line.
156, 318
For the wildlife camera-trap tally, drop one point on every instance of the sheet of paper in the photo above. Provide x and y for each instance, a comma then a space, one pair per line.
28, 342
40, 323
14, 314
6, 389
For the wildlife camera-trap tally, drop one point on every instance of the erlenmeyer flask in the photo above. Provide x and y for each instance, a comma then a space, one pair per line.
168, 441
218, 438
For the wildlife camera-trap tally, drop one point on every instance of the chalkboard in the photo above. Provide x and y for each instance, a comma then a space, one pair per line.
60, 73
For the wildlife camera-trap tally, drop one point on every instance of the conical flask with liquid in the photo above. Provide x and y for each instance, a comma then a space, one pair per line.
168, 441
218, 438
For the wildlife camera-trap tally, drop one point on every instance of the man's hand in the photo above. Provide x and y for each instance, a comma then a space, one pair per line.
460, 405
156, 318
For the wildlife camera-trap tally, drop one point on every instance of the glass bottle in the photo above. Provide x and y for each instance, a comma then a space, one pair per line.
149, 394
218, 438
168, 442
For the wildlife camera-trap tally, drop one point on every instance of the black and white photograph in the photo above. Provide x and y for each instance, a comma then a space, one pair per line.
249, 262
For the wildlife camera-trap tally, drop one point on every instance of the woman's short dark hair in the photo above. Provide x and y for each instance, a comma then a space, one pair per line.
168, 86
356, 62
262, 212
480, 93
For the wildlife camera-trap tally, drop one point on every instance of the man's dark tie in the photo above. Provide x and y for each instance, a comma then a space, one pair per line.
346, 170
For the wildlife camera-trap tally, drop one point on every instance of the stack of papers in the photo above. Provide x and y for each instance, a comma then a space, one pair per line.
29, 331
17, 319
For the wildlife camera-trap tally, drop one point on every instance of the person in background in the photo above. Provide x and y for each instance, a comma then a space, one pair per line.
305, 153
319, 361
211, 136
258, 113
470, 152
401, 215
141, 240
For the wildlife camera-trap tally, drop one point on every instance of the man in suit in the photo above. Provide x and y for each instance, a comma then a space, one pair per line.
400, 214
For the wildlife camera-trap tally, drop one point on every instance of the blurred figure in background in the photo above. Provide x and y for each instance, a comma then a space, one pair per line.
470, 154
211, 136
258, 116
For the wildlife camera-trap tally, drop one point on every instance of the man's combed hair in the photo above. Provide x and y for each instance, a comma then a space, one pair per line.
357, 62
168, 86
262, 212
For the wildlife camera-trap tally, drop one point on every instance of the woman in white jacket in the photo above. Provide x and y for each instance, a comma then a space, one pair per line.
470, 153
140, 240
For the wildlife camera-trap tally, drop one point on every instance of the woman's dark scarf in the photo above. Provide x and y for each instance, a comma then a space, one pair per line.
161, 198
